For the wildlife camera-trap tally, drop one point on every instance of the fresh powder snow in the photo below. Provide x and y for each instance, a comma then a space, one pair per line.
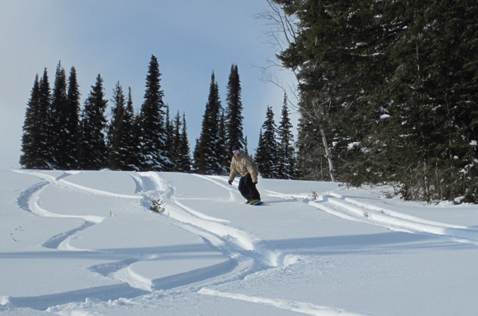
87, 243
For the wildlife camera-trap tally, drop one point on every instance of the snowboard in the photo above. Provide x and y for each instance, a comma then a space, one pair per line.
257, 203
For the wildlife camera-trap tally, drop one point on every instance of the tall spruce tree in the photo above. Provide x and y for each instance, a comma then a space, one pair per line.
184, 163
176, 142
115, 133
153, 131
208, 153
234, 118
266, 153
224, 150
71, 123
169, 150
129, 148
57, 143
311, 161
197, 157
285, 165
44, 150
31, 138
93, 150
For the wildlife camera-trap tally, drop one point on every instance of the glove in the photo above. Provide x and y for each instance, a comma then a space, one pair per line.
230, 182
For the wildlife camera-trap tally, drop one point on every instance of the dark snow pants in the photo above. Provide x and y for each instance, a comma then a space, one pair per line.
248, 189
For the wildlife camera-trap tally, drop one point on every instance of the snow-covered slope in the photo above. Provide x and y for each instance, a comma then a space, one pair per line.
86, 243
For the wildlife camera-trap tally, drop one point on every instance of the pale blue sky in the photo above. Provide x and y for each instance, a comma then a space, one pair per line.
116, 38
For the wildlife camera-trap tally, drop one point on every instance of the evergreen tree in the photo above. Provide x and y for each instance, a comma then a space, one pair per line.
223, 149
170, 149
129, 150
234, 126
44, 153
184, 163
208, 152
175, 148
153, 131
115, 135
311, 164
285, 164
93, 151
266, 153
260, 152
71, 122
57, 143
31, 138
197, 157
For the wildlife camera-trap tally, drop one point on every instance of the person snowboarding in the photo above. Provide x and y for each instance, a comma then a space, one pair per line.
243, 164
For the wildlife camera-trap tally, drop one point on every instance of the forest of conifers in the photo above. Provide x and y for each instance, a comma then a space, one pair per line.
387, 94
393, 88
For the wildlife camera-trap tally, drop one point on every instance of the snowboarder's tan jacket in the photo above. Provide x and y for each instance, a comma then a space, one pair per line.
243, 165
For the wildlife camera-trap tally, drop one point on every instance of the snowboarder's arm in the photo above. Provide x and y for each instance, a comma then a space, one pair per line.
233, 171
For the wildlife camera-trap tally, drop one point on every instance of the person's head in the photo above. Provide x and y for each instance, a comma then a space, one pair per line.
236, 150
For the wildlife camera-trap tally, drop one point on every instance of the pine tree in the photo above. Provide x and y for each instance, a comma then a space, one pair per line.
169, 150
115, 132
129, 150
207, 153
260, 152
57, 120
223, 149
93, 150
285, 165
153, 131
175, 148
31, 138
70, 129
234, 118
266, 153
197, 157
311, 164
184, 163
45, 158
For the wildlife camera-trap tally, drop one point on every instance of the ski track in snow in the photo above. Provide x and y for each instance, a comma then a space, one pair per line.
248, 254
350, 209
28, 200
231, 241
299, 307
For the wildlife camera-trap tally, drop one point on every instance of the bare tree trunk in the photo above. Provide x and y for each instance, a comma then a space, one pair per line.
328, 155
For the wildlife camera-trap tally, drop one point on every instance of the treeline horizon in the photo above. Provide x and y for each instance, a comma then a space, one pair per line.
60, 133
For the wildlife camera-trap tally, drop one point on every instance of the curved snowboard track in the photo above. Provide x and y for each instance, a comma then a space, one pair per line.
231, 241
247, 253
251, 254
293, 306
351, 209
